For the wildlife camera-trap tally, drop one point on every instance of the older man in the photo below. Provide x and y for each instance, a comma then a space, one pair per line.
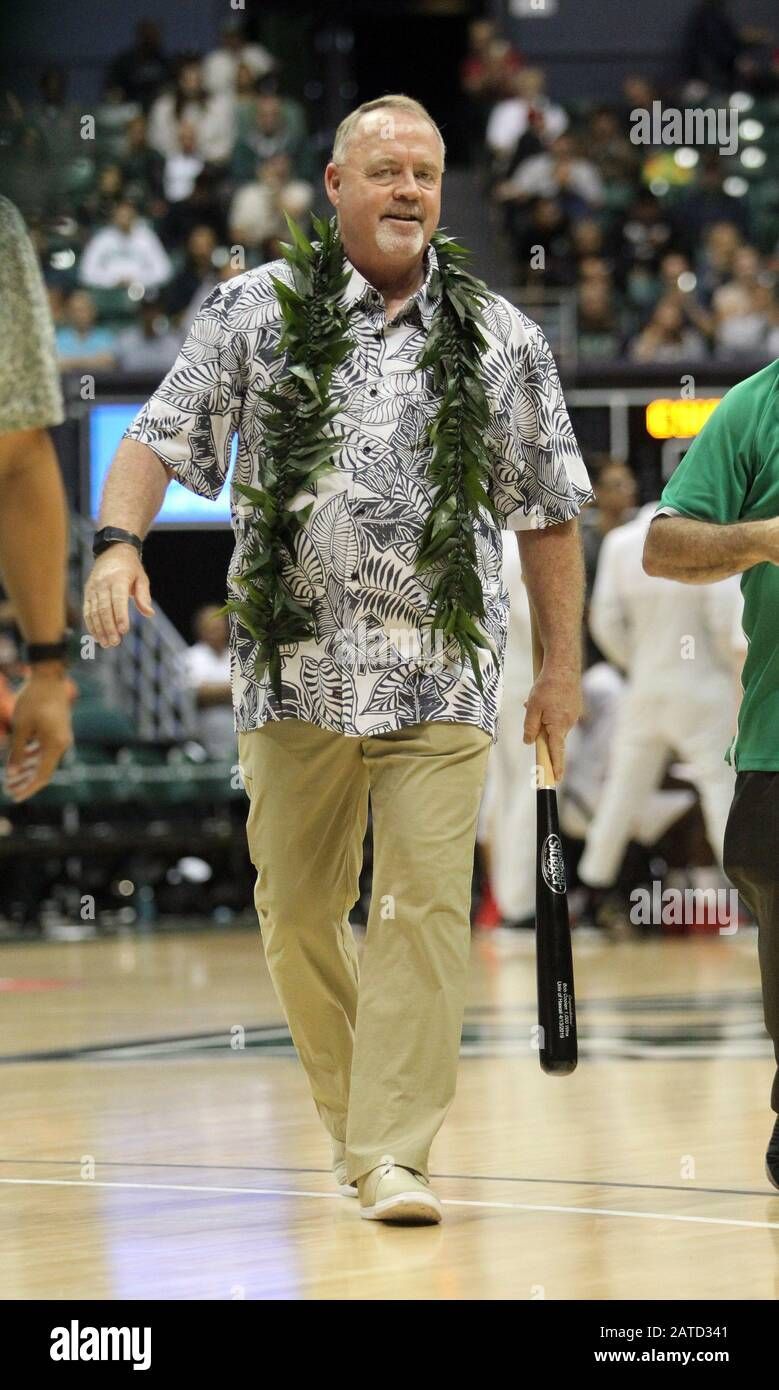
349, 714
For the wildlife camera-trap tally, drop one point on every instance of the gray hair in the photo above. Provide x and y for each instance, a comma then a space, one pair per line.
395, 101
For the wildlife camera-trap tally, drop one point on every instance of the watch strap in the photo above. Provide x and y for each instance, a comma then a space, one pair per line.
114, 535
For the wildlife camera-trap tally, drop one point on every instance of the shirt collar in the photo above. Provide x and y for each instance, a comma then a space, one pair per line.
360, 293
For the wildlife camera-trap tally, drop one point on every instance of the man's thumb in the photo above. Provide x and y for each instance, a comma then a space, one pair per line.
142, 596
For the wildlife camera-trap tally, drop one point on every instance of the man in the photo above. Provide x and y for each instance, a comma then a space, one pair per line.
125, 252
658, 633
719, 516
33, 516
208, 674
414, 739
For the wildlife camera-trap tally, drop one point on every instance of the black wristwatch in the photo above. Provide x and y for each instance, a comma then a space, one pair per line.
48, 651
114, 535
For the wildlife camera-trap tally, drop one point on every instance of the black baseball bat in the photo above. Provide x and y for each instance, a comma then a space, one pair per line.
557, 1044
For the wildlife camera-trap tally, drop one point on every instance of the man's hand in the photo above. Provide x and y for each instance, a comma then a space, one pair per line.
40, 733
117, 576
554, 704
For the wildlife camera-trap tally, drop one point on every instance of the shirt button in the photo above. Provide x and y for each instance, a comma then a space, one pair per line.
373, 391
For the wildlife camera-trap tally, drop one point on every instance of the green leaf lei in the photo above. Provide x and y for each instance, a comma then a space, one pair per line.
300, 443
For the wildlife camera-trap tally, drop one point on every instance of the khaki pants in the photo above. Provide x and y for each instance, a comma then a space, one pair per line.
381, 1059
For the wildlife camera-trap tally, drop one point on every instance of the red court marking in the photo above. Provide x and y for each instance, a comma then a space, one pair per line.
31, 985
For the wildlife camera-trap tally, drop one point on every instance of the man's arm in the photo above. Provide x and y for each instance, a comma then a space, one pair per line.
133, 494
32, 507
699, 552
553, 569
33, 544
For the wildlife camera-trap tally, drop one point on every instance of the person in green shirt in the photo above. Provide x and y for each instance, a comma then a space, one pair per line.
718, 516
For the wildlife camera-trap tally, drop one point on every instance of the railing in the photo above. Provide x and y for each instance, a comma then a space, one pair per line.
143, 675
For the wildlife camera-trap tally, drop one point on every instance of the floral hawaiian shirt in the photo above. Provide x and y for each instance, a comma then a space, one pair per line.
372, 666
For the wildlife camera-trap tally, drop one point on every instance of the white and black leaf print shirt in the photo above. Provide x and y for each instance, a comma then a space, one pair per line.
372, 666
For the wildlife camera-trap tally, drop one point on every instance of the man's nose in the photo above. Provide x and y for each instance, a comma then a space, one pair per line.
406, 184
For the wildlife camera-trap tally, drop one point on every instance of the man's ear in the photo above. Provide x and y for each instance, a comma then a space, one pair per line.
332, 182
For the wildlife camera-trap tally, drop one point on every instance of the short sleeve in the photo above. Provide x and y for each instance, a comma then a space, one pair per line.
30, 391
712, 481
539, 477
190, 420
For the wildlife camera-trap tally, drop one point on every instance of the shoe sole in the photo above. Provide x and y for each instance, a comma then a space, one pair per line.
346, 1190
415, 1209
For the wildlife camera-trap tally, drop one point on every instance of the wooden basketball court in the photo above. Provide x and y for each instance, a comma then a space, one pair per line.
159, 1140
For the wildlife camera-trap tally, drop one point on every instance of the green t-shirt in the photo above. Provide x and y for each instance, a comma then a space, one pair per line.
730, 473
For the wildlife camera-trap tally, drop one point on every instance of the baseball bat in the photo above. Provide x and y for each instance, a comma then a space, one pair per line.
557, 1052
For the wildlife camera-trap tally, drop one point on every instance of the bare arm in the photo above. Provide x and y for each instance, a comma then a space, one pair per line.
133, 494
553, 570
33, 542
33, 533
213, 693
699, 552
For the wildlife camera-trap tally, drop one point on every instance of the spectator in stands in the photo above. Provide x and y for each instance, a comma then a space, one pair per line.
616, 495
589, 243
598, 319
220, 66
81, 345
616, 160
525, 123
489, 64
560, 174
142, 70
212, 115
638, 93
98, 203
112, 117
182, 165
208, 674
715, 50
56, 119
706, 202
548, 229
678, 283
714, 259
644, 235
197, 276
126, 252
257, 210
668, 337
277, 126
150, 345
142, 167
743, 308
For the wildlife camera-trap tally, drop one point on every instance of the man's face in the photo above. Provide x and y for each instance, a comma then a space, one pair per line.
388, 189
124, 216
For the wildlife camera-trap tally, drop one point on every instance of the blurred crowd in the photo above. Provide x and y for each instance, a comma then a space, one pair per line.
179, 178
671, 253
182, 173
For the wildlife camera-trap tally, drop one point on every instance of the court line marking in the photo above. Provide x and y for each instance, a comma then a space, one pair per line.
336, 1196
686, 1188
